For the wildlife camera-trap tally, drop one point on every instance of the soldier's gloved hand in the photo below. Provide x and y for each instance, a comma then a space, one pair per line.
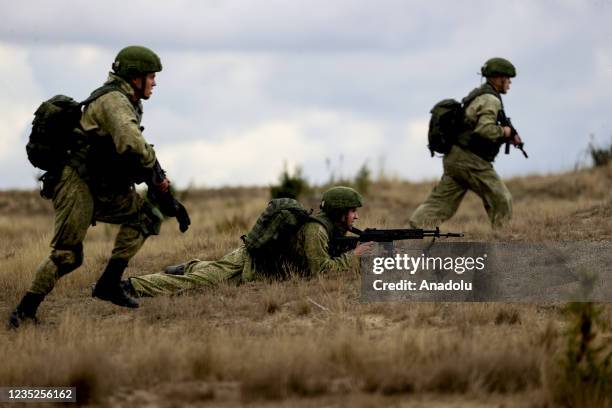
182, 217
163, 186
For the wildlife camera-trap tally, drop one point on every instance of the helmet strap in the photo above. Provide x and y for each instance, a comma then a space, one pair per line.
492, 83
143, 85
139, 90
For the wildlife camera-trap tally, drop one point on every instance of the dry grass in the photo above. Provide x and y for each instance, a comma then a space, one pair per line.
299, 342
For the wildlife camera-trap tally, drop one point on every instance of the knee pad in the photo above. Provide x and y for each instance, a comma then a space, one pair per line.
67, 259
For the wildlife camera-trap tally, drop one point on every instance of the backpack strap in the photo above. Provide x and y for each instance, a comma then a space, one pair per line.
78, 161
325, 222
103, 90
482, 147
485, 89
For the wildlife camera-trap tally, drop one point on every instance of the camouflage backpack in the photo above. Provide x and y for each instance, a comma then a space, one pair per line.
281, 219
444, 126
53, 139
447, 120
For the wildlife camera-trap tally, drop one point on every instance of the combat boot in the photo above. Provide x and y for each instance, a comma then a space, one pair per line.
26, 310
109, 286
175, 269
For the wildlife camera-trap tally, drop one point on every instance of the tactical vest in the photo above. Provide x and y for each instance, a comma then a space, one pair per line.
104, 169
331, 229
298, 261
80, 159
483, 147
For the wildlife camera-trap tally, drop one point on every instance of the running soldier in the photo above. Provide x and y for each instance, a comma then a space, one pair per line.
97, 184
469, 164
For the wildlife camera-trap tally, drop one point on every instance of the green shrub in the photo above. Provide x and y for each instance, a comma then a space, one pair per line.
601, 156
362, 179
586, 375
290, 186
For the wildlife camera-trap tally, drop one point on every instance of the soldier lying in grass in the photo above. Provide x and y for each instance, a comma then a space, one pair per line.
305, 250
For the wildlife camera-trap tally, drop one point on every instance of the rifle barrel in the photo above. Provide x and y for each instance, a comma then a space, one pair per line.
372, 234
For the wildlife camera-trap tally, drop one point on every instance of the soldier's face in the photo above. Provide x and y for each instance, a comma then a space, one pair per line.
351, 217
501, 84
147, 88
505, 84
149, 84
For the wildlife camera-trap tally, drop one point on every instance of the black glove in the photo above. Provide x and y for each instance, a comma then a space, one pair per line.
182, 217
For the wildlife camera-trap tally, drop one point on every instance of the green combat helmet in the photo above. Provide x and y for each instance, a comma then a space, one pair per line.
340, 198
498, 67
135, 60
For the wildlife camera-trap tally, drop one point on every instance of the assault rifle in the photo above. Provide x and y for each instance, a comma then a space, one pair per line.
168, 205
340, 245
505, 121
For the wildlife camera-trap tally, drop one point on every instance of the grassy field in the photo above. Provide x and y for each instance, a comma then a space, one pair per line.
304, 343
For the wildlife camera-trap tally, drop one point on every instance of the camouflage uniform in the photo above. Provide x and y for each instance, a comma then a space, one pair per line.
78, 202
96, 183
309, 254
468, 166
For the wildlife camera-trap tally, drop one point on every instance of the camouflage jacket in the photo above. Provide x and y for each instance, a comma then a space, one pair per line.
311, 249
485, 136
112, 123
306, 253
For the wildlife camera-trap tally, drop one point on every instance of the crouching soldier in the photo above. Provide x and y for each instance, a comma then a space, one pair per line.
307, 252
97, 184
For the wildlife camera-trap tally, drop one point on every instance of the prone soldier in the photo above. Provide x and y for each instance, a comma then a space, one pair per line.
307, 252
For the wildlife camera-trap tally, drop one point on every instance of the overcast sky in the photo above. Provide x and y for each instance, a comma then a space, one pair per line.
250, 85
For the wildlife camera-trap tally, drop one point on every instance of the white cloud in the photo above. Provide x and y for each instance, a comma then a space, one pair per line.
603, 64
16, 109
312, 80
86, 56
410, 157
417, 131
256, 155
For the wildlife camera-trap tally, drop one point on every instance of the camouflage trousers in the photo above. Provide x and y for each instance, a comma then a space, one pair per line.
463, 171
235, 267
75, 210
